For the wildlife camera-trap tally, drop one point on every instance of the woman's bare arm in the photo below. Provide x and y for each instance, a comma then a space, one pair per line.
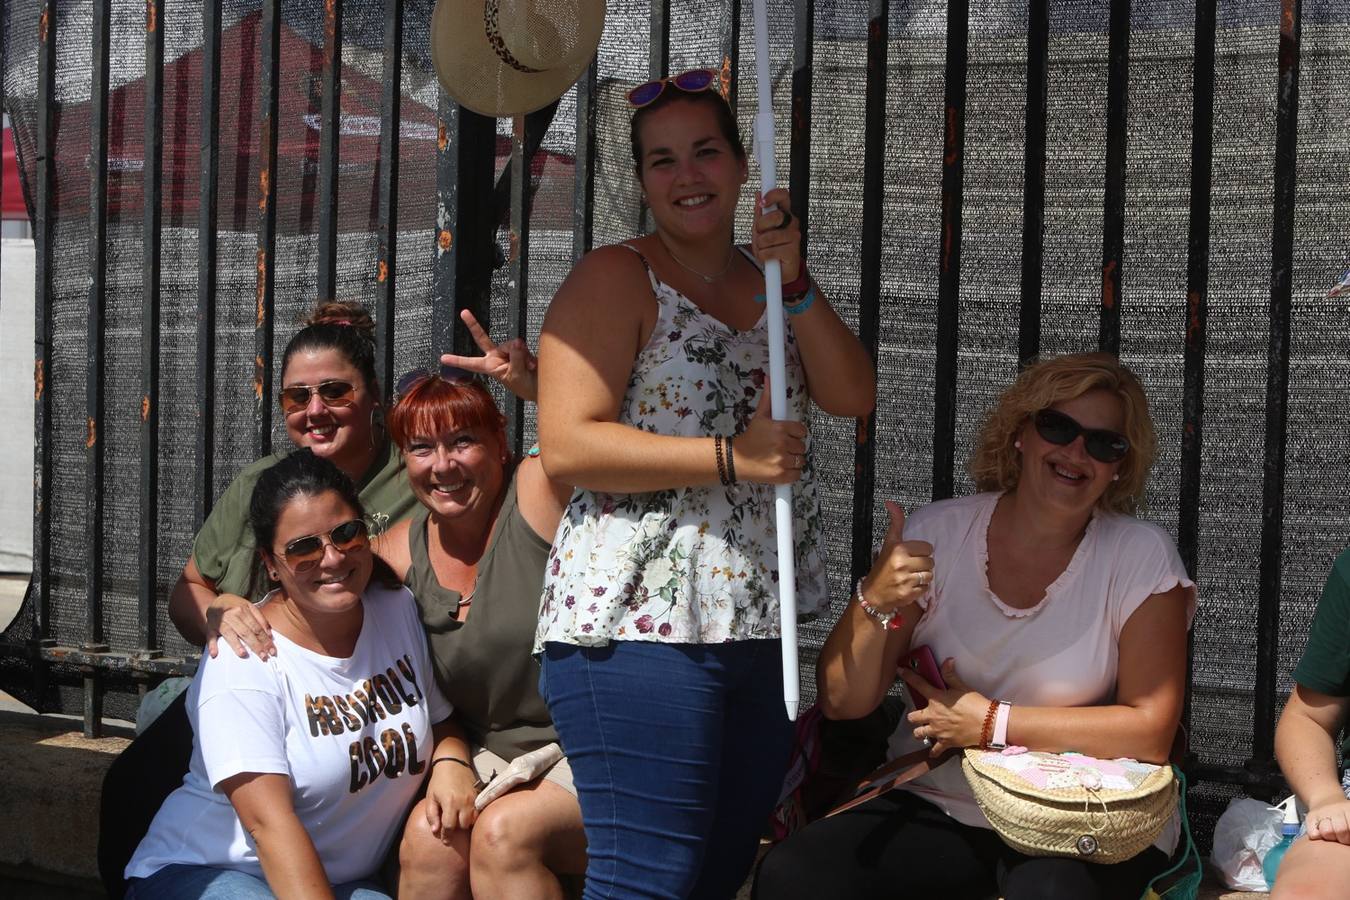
289, 861
594, 330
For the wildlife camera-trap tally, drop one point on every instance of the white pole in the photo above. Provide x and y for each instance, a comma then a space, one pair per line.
773, 294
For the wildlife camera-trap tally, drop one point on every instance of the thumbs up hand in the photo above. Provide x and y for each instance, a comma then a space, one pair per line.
903, 570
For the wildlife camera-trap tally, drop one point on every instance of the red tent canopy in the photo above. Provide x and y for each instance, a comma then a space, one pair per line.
12, 206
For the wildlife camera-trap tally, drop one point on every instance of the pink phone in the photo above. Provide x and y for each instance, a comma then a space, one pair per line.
922, 661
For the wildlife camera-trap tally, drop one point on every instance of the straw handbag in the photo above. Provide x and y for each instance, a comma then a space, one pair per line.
1066, 804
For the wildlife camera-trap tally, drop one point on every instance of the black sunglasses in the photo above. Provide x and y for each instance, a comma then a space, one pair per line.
450, 374
1101, 444
305, 553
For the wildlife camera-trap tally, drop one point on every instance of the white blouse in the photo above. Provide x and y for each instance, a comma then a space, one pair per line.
1064, 651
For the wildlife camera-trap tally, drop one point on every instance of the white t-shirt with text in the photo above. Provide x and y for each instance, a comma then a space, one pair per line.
353, 736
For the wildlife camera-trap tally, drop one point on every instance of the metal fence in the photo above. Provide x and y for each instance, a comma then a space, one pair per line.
928, 146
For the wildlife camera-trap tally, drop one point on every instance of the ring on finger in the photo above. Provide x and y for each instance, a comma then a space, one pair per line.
787, 220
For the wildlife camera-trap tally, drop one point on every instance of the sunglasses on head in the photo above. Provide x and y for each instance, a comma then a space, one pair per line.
1101, 444
305, 553
331, 393
691, 82
449, 374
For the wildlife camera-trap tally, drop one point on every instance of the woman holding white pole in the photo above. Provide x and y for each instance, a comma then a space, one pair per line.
659, 622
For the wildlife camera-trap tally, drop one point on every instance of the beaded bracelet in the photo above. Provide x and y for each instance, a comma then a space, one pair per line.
721, 460
889, 621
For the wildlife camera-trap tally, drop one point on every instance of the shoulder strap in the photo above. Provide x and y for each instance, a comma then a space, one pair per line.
651, 276
898, 771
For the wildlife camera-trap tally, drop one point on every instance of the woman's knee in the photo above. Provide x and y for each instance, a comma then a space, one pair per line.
505, 832
423, 853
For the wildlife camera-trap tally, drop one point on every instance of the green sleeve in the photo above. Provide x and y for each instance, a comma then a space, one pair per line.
223, 549
1325, 666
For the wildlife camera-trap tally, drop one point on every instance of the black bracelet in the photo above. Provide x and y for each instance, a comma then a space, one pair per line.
731, 464
477, 782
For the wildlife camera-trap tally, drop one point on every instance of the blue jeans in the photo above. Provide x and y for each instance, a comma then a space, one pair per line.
209, 883
678, 751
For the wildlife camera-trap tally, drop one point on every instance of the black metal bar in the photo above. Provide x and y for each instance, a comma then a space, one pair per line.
1117, 139
152, 187
803, 76
1033, 181
267, 225
658, 66
445, 253
386, 262
331, 113
476, 216
518, 260
1277, 387
583, 191
949, 256
94, 440
45, 258
1197, 298
207, 212
731, 55
869, 286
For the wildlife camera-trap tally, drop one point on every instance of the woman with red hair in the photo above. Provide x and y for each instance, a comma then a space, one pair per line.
474, 558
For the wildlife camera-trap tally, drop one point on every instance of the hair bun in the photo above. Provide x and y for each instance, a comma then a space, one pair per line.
344, 313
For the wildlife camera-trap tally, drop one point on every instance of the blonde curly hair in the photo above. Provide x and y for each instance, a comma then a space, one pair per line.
997, 465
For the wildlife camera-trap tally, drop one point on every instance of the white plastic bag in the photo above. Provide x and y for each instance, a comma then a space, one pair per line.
1244, 833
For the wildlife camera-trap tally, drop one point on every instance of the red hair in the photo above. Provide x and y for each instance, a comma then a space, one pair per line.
434, 406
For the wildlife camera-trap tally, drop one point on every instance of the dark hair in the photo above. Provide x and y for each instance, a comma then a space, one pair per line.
299, 474
726, 119
343, 326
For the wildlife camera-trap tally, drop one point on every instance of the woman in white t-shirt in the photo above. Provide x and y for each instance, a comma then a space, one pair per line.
304, 766
1060, 621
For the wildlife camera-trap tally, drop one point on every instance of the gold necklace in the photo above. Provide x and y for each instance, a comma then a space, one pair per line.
707, 279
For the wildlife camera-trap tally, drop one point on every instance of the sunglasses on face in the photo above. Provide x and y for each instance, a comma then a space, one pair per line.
331, 393
1101, 444
303, 554
449, 374
690, 82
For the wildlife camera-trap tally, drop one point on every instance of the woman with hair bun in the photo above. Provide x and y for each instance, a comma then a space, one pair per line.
330, 397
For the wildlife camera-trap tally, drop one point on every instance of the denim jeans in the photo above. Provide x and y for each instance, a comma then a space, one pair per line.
678, 752
183, 882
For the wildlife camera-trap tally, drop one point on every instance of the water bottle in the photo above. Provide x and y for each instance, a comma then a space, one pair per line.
1288, 831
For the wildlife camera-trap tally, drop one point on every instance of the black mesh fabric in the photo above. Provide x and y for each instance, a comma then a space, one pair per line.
1153, 301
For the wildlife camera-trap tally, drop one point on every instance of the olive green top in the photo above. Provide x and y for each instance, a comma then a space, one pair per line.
224, 550
484, 664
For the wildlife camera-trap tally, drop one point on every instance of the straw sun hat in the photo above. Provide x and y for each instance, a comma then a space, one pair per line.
509, 57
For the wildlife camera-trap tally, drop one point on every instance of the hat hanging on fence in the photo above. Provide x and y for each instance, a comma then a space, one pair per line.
510, 57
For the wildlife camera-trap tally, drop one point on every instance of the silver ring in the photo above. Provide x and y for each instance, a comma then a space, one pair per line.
928, 742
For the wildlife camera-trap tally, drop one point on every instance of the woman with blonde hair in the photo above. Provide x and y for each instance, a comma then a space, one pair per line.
1061, 622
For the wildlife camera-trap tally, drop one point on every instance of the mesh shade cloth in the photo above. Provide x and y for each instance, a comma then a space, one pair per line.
1153, 302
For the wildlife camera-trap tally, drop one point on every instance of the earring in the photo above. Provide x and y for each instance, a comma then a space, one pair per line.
1017, 444
271, 573
1115, 477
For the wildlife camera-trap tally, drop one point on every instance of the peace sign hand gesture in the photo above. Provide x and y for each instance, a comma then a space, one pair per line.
510, 363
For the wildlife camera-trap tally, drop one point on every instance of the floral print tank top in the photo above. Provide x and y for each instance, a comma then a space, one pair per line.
692, 564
